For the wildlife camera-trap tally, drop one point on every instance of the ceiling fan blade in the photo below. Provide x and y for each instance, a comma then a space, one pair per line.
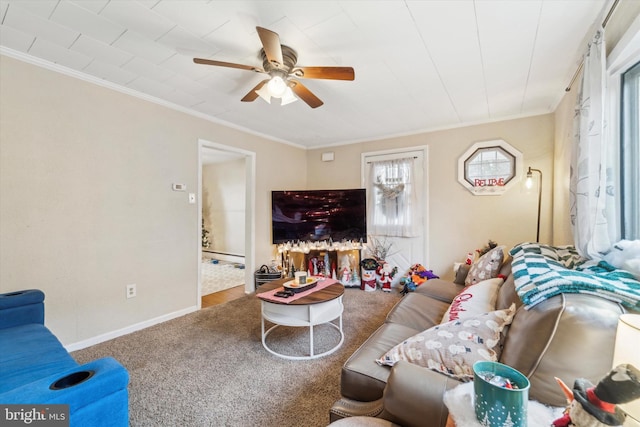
227, 64
271, 44
253, 95
330, 73
305, 94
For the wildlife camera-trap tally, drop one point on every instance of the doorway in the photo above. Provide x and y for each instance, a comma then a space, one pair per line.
234, 219
404, 251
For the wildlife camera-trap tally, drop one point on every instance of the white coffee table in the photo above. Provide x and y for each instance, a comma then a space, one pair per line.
320, 307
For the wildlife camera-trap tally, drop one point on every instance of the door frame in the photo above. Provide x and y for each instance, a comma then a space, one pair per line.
424, 150
250, 199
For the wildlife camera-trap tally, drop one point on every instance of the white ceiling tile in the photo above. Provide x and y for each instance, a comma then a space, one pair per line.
131, 14
150, 87
187, 43
110, 73
182, 98
59, 55
211, 108
25, 21
15, 39
507, 33
458, 61
94, 6
143, 67
200, 18
3, 8
140, 46
235, 44
187, 85
306, 15
88, 23
39, 8
342, 31
98, 49
551, 70
184, 65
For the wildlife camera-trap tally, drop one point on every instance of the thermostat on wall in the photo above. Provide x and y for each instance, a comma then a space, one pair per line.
179, 187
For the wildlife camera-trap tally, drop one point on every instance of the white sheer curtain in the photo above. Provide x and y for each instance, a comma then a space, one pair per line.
392, 200
592, 185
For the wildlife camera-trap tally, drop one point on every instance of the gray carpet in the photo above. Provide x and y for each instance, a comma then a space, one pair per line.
209, 368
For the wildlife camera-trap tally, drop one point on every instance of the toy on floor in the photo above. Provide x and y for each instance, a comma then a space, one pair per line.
369, 266
595, 406
416, 276
385, 275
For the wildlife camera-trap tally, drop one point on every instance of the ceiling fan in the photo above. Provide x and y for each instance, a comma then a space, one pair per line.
279, 62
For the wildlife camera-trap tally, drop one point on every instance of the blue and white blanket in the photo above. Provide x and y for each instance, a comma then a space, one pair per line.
542, 271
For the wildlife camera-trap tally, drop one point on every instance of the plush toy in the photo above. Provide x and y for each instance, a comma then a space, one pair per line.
416, 276
595, 406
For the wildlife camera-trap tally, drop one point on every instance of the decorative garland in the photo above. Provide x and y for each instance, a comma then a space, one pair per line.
389, 191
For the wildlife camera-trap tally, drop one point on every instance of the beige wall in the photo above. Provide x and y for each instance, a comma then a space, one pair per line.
459, 221
223, 206
86, 205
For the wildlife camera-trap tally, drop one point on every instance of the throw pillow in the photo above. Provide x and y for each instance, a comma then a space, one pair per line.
473, 300
453, 347
461, 274
486, 267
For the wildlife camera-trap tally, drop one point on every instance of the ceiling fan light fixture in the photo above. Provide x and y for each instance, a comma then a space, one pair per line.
276, 87
288, 97
263, 93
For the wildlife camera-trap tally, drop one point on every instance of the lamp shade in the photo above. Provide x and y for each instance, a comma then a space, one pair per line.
626, 351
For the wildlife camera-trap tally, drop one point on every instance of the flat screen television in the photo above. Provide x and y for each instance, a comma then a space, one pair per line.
316, 215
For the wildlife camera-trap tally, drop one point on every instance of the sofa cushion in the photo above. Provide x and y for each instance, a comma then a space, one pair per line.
34, 353
486, 267
439, 289
453, 347
474, 300
362, 378
542, 342
460, 274
417, 311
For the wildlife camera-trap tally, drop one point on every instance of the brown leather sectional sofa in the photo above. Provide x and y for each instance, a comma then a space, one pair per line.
567, 336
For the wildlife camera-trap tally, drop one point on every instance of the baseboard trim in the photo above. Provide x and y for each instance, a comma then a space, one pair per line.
129, 329
223, 256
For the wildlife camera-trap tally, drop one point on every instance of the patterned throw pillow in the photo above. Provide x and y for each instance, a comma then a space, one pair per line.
473, 300
486, 267
453, 347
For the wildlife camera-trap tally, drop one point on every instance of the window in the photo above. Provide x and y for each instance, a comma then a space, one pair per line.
630, 153
392, 197
489, 168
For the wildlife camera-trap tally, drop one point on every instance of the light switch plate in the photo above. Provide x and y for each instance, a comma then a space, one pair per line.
192, 198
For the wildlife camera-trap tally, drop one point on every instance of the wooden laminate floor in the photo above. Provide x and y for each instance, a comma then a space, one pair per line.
222, 296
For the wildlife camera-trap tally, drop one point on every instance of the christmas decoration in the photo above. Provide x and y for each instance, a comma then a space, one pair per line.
595, 406
205, 236
385, 275
416, 276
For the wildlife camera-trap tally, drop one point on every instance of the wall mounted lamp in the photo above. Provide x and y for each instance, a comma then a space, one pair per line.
529, 184
277, 87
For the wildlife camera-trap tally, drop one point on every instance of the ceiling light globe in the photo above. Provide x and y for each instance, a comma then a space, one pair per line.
277, 87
